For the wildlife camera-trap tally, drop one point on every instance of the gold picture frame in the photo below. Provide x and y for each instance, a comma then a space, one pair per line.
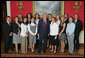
33, 9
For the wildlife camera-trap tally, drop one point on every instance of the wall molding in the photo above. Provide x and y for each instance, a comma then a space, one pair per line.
81, 37
8, 8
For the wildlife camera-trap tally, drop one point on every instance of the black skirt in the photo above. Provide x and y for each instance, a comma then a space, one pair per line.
52, 40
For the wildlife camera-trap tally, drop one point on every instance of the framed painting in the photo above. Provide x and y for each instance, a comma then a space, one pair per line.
52, 7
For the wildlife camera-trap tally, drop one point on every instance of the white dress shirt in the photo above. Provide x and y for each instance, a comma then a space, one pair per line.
53, 29
23, 30
75, 20
32, 24
58, 22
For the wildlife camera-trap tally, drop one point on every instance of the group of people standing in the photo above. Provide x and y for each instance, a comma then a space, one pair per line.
35, 33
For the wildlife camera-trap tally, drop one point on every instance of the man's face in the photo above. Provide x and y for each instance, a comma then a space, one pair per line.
65, 15
8, 19
44, 16
76, 16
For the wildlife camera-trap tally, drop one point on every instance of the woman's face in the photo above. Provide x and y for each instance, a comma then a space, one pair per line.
62, 19
70, 20
32, 20
16, 19
37, 16
29, 15
57, 17
49, 17
53, 19
25, 20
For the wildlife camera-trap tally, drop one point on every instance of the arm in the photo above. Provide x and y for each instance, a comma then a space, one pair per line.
38, 28
67, 29
56, 31
63, 28
30, 30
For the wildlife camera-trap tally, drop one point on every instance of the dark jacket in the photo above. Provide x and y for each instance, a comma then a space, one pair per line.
16, 28
78, 27
7, 29
43, 32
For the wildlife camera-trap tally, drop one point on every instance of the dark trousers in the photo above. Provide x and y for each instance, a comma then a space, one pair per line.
59, 43
42, 45
76, 41
66, 45
37, 44
8, 44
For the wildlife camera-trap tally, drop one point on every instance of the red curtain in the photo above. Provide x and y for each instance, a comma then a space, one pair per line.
28, 8
15, 12
71, 12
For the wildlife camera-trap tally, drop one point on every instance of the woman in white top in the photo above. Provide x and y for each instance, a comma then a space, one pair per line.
32, 28
24, 35
58, 20
53, 34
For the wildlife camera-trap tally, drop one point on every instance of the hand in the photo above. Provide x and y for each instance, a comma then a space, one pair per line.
18, 34
10, 34
37, 34
59, 34
68, 35
48, 34
55, 37
26, 34
33, 35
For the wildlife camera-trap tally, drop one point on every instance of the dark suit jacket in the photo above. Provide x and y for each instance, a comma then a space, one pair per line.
78, 27
16, 28
67, 21
7, 29
43, 32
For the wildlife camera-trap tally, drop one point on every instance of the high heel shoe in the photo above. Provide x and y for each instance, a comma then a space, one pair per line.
16, 51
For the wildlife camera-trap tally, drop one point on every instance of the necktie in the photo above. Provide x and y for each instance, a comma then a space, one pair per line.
44, 24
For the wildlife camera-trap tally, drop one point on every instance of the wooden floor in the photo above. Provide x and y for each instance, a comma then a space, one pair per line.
79, 53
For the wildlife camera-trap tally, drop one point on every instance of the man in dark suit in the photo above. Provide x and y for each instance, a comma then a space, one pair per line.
66, 19
78, 29
20, 18
8, 35
43, 31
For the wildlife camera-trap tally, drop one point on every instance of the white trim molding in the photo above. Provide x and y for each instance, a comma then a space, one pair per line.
81, 37
8, 8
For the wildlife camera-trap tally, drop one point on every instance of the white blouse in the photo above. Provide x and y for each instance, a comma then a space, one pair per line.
23, 30
53, 29
58, 22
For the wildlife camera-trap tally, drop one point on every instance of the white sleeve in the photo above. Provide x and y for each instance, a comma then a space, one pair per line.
56, 29
30, 30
